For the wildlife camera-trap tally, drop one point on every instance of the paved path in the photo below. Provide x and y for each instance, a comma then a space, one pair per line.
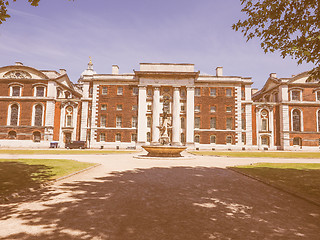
128, 198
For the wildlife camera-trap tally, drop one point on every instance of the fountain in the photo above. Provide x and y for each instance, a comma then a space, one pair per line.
164, 147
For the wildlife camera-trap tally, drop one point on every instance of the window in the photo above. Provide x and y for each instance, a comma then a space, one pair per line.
228, 92
183, 93
104, 107
134, 122
12, 135
118, 137
229, 109
197, 92
318, 120
39, 91
148, 137
264, 120
197, 122
102, 137
38, 115
213, 122
103, 121
183, 123
14, 115
213, 109
243, 123
243, 94
118, 121
120, 91
243, 138
229, 123
318, 95
135, 91
297, 141
133, 137
119, 107
229, 139
295, 95
69, 111
149, 107
149, 92
197, 108
104, 90
212, 139
197, 138
148, 121
213, 92
265, 140
296, 120
182, 107
16, 91
182, 138
36, 136
134, 108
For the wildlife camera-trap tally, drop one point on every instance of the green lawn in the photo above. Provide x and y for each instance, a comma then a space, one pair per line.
259, 154
63, 151
17, 175
302, 179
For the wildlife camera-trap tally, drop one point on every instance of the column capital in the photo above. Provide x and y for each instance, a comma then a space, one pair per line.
142, 87
157, 88
176, 88
190, 87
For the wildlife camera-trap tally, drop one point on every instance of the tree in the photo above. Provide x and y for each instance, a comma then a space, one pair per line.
4, 11
288, 26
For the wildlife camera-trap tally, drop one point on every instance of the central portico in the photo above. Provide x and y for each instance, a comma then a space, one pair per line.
169, 87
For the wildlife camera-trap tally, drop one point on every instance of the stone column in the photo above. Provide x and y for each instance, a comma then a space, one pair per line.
142, 118
176, 123
156, 108
190, 116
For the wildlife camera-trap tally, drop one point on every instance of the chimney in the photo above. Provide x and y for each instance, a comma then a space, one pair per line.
19, 64
219, 71
273, 75
63, 71
115, 69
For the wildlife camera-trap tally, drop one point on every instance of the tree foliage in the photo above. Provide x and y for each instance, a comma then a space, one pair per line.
288, 26
4, 11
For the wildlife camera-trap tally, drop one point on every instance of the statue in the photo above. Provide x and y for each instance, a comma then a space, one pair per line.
164, 136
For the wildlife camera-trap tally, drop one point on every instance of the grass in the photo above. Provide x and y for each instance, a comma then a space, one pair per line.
17, 175
302, 179
63, 151
259, 154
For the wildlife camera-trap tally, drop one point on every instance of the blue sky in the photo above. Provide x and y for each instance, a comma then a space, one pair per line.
63, 34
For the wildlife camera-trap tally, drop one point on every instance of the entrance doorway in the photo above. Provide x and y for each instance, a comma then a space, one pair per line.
67, 137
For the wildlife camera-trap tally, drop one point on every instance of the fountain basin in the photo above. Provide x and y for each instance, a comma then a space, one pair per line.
164, 151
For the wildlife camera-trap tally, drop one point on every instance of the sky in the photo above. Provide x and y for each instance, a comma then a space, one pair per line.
63, 34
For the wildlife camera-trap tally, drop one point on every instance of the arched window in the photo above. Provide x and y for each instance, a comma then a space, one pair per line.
296, 120
12, 135
229, 139
197, 138
38, 115
36, 136
14, 115
69, 113
212, 139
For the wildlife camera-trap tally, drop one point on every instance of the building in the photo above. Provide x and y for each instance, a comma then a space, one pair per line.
124, 110
37, 107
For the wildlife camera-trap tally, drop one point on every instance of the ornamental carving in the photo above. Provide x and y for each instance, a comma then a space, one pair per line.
17, 75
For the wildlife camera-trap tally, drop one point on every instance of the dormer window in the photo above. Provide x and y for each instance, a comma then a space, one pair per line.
296, 95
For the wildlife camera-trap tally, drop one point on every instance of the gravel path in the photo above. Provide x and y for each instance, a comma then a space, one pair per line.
127, 198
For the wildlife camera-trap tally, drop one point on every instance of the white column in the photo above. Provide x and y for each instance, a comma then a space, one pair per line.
271, 128
190, 116
142, 111
238, 116
176, 123
94, 114
156, 115
249, 125
84, 120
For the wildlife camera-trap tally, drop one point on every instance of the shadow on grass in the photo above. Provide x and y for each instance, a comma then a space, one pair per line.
302, 182
168, 203
16, 177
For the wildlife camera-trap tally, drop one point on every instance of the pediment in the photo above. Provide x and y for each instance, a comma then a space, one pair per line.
21, 72
270, 84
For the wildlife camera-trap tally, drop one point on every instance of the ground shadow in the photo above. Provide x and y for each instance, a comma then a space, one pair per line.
171, 203
17, 177
301, 182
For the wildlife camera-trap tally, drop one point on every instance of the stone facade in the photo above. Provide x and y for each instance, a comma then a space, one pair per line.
124, 110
